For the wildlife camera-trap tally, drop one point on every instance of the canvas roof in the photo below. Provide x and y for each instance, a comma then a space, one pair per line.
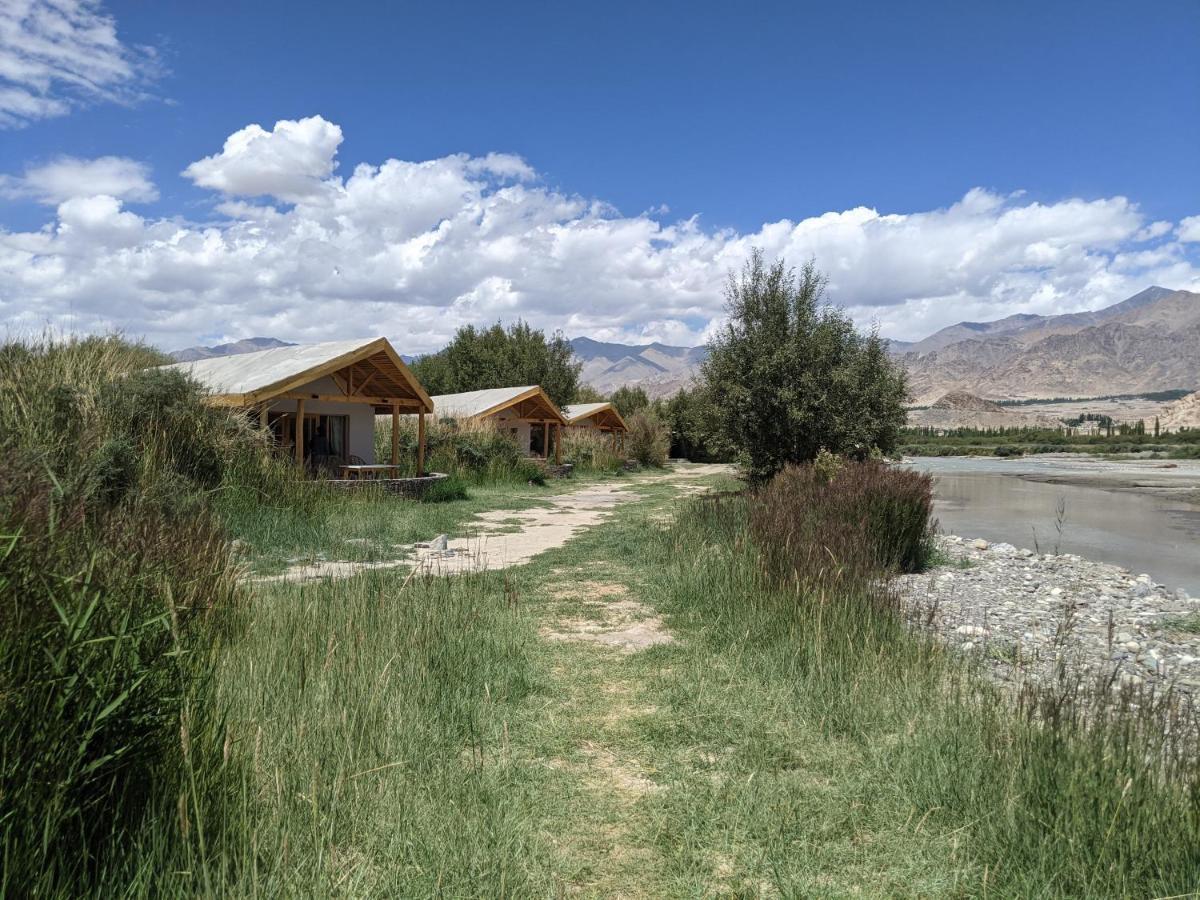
245, 379
605, 412
528, 401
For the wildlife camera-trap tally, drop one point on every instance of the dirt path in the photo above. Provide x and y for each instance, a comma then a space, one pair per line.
499, 539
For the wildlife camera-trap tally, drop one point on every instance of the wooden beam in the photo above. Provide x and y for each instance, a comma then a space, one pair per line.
338, 398
557, 444
362, 386
300, 432
262, 416
545, 440
420, 443
395, 434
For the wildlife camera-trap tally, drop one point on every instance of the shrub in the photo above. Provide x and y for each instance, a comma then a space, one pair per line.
867, 517
588, 449
648, 440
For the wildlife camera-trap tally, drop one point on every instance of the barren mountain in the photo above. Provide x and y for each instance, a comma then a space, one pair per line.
1150, 342
659, 369
249, 345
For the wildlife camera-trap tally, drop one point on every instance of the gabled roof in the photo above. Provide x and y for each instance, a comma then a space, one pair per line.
605, 413
358, 366
528, 402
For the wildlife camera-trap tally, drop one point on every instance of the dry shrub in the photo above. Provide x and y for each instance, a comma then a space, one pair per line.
834, 523
648, 440
587, 448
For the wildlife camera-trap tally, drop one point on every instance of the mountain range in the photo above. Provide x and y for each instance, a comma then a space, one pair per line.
1150, 342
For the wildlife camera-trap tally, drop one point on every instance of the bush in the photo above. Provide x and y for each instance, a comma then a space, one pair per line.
648, 440
115, 578
864, 517
588, 449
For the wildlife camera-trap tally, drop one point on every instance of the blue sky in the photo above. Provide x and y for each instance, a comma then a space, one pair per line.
905, 146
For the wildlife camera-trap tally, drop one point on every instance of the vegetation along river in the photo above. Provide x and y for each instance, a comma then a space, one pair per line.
1139, 514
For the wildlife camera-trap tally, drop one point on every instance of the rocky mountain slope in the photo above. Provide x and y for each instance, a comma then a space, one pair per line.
1150, 342
659, 369
1183, 413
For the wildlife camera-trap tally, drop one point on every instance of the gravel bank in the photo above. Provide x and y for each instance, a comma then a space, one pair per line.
1023, 612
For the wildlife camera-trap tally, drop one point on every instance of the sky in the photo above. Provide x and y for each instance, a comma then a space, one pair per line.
195, 173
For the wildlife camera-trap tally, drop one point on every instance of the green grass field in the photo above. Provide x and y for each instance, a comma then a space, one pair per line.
466, 737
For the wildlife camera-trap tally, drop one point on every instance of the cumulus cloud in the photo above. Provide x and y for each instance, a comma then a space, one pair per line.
415, 249
67, 177
59, 54
289, 162
1189, 230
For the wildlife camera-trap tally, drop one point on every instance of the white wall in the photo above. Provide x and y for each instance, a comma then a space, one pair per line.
362, 416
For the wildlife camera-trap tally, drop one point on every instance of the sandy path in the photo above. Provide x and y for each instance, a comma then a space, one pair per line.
501, 538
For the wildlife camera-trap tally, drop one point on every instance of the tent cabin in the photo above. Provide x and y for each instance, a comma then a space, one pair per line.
526, 413
334, 389
601, 417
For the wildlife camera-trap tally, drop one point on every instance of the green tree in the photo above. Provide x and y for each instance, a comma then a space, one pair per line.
789, 375
498, 357
629, 400
585, 393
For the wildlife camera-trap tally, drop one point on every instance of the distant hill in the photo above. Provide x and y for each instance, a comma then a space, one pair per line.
1150, 342
659, 369
249, 345
958, 409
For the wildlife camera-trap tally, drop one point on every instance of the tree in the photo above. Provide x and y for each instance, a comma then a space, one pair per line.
790, 375
585, 393
498, 357
629, 400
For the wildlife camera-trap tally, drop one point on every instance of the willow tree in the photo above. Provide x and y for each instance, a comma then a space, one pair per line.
790, 374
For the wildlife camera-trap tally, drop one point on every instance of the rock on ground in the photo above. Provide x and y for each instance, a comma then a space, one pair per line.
1025, 612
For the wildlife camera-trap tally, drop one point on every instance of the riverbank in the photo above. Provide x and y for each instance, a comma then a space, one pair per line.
1024, 613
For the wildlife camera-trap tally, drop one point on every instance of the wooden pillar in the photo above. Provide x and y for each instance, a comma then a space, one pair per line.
545, 439
262, 416
420, 443
300, 433
395, 434
558, 445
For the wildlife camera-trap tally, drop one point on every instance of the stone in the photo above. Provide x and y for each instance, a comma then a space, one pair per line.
974, 630
979, 544
1133, 646
439, 543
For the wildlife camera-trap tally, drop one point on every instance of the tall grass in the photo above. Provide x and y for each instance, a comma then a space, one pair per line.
115, 584
589, 450
1068, 789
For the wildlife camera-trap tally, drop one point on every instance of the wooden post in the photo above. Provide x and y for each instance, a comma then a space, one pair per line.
558, 445
300, 433
262, 416
545, 439
421, 443
395, 434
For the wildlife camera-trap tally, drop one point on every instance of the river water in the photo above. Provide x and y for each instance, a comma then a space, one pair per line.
997, 499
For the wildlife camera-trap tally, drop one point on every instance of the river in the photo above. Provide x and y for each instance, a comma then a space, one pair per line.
1132, 514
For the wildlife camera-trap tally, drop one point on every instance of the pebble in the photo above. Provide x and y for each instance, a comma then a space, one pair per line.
1099, 615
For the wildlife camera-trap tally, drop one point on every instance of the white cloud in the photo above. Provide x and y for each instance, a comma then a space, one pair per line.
67, 177
289, 162
57, 54
1189, 230
415, 249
